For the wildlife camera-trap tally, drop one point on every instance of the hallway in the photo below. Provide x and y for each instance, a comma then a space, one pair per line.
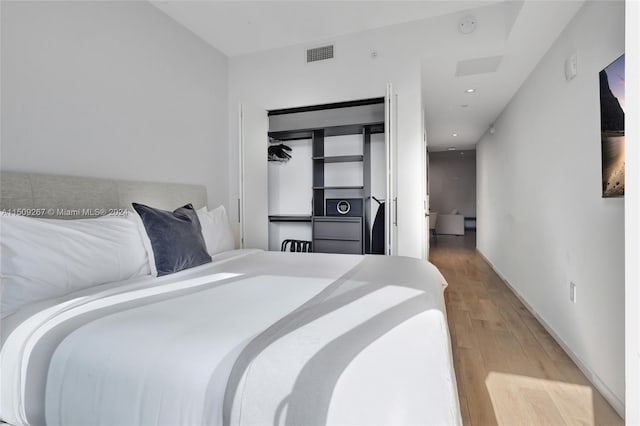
509, 370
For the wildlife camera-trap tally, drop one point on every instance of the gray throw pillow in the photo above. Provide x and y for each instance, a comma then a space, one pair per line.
175, 237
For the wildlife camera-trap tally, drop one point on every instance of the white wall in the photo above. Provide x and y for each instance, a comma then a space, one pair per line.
378, 176
541, 219
281, 78
452, 182
112, 89
290, 192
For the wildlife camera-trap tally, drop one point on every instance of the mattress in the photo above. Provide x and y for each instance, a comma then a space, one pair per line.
252, 338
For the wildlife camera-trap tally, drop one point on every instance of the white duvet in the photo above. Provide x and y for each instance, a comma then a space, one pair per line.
254, 338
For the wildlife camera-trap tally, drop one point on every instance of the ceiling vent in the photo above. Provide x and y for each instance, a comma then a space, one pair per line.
478, 66
320, 53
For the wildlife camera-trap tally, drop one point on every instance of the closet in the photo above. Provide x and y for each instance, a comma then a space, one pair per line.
327, 175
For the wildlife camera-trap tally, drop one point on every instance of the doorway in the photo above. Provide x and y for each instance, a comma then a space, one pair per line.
319, 170
452, 194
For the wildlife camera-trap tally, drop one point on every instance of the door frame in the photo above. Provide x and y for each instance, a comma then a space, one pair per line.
390, 142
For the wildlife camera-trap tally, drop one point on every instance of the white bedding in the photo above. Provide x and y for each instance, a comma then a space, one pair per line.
252, 338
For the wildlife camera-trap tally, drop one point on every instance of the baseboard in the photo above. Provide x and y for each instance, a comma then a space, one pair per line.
611, 398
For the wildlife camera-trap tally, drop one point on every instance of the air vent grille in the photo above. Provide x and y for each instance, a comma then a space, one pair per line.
320, 53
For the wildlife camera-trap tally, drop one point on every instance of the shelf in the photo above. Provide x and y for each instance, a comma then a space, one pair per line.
321, 107
299, 134
341, 159
290, 136
336, 218
338, 187
290, 218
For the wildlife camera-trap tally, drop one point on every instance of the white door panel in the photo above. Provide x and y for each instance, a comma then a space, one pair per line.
253, 191
391, 204
425, 191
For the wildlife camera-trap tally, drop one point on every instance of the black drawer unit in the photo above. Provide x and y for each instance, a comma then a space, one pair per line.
337, 235
337, 246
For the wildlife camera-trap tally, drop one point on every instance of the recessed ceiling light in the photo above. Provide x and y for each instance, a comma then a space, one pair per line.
470, 90
451, 148
454, 134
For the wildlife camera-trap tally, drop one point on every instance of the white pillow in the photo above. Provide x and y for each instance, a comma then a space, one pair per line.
216, 230
146, 243
46, 258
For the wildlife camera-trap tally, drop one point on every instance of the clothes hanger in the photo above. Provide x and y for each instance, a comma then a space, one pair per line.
279, 152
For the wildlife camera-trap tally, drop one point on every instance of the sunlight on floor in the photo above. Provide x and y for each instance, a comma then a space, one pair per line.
524, 400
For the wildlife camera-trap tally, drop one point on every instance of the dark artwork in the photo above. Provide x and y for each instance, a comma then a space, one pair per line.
612, 128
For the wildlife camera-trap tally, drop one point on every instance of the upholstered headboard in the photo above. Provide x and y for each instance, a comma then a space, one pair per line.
71, 197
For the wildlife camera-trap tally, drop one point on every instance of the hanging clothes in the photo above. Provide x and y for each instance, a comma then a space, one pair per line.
377, 232
278, 152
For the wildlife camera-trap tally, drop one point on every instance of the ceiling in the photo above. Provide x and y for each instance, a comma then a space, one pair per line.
495, 60
242, 27
509, 40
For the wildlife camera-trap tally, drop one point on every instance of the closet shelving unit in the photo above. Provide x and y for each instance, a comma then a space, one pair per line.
335, 233
340, 159
290, 218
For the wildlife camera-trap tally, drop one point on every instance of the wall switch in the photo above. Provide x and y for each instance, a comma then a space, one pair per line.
572, 292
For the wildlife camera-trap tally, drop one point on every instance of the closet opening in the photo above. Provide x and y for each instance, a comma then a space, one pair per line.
327, 172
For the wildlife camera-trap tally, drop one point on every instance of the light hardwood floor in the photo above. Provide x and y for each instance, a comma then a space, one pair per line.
509, 370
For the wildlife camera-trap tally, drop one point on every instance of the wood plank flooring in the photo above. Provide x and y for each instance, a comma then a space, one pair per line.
509, 370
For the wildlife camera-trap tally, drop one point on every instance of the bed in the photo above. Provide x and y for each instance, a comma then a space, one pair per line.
251, 338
